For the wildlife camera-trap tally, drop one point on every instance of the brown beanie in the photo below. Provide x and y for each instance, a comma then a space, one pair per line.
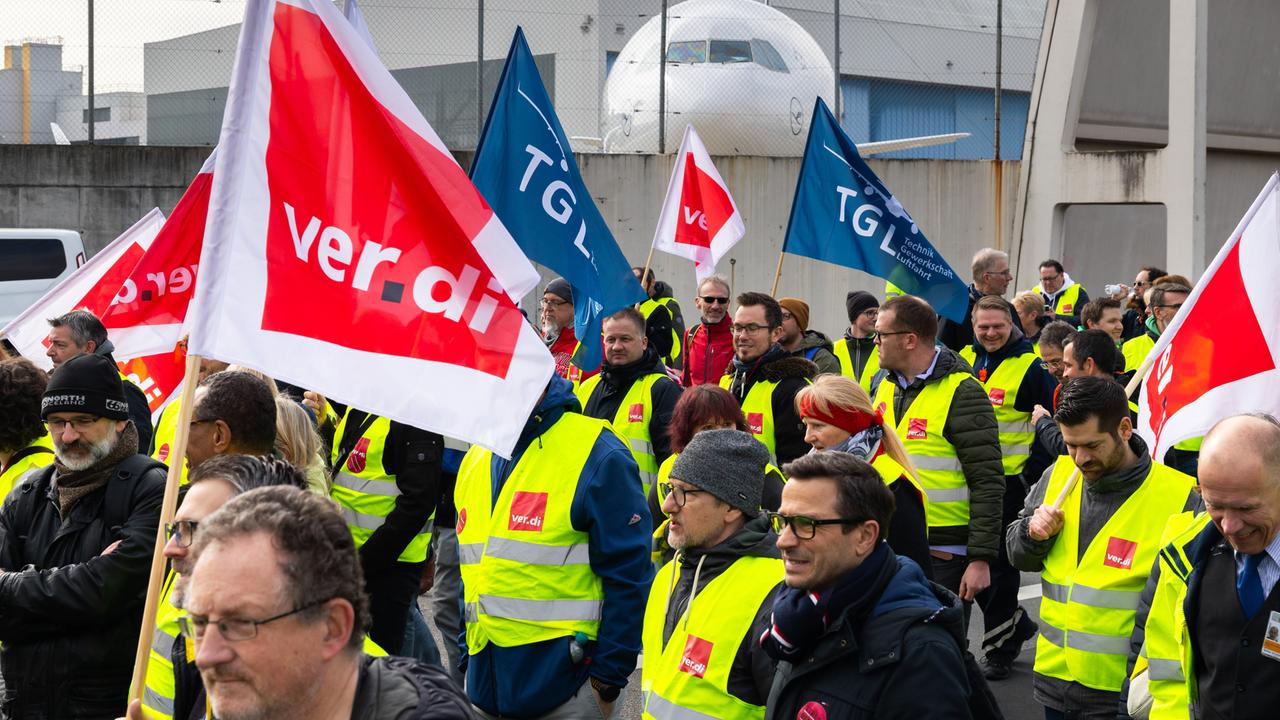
799, 310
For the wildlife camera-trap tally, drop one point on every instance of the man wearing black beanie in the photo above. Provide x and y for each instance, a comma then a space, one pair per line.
75, 541
859, 358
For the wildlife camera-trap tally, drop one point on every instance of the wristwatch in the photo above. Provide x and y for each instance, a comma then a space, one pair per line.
607, 692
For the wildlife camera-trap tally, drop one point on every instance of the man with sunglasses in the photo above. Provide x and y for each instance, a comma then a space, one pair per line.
276, 616
856, 625
708, 345
702, 657
75, 545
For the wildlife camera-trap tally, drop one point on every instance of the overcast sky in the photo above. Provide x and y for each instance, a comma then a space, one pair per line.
120, 29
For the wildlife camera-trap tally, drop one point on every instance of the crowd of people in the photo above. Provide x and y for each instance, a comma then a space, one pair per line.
769, 522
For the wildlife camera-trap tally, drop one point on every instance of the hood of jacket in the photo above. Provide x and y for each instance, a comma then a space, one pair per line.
814, 339
1067, 282
908, 598
775, 365
556, 400
865, 344
662, 290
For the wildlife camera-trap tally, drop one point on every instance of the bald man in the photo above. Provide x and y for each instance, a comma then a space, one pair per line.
1211, 634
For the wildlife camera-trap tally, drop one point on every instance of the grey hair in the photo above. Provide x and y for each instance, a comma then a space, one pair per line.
985, 259
84, 326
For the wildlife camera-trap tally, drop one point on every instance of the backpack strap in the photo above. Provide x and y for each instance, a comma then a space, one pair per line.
120, 491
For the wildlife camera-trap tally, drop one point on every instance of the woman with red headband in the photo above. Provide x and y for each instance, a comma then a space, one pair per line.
837, 416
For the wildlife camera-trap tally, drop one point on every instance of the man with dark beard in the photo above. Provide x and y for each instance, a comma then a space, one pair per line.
75, 547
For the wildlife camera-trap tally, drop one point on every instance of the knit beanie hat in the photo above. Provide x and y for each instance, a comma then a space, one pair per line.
561, 289
799, 310
87, 384
857, 302
727, 463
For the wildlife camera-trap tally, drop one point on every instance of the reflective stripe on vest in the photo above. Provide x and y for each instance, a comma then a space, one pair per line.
38, 459
688, 675
934, 458
841, 350
166, 430
632, 426
646, 309
1167, 648
364, 491
160, 683
1017, 433
1089, 606
526, 573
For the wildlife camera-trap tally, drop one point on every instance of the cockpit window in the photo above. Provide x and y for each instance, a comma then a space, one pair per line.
730, 51
687, 51
767, 55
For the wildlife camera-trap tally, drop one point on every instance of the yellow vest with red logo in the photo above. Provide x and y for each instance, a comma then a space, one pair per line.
841, 350
933, 456
1068, 302
526, 570
366, 493
1089, 602
1017, 432
41, 457
688, 675
758, 409
166, 430
632, 421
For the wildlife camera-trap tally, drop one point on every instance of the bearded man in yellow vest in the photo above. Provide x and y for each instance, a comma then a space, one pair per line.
706, 608
24, 440
633, 392
944, 419
1016, 381
764, 378
387, 478
1096, 552
554, 549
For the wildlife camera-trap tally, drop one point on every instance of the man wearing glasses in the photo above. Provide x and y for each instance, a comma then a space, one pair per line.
1166, 301
1066, 296
857, 352
856, 625
75, 544
991, 276
555, 314
233, 413
276, 616
706, 608
708, 345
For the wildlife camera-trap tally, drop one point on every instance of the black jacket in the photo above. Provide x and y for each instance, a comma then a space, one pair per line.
396, 688
662, 322
791, 374
900, 656
751, 674
616, 381
69, 615
956, 335
139, 408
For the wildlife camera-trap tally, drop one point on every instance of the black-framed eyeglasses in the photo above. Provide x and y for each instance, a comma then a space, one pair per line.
713, 300
181, 532
1050, 278
806, 528
749, 328
235, 629
677, 494
79, 424
1171, 307
881, 335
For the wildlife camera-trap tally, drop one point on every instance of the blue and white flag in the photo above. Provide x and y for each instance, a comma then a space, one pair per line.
843, 214
525, 170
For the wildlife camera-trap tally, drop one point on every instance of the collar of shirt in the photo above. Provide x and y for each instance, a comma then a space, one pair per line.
1269, 572
902, 380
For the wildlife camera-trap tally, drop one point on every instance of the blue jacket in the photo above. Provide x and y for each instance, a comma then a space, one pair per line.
531, 680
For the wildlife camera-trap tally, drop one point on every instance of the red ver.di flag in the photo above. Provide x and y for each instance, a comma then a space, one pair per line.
347, 252
699, 219
1219, 355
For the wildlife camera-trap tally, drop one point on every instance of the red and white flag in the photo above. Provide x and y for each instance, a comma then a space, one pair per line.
699, 219
1220, 354
347, 252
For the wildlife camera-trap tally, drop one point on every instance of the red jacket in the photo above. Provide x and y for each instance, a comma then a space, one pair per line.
708, 352
562, 350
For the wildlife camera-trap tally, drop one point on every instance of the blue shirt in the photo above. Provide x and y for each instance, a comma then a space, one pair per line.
1268, 569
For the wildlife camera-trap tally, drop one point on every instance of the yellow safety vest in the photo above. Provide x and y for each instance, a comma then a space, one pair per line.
158, 693
1067, 301
891, 290
1088, 607
526, 571
366, 493
758, 409
1166, 652
166, 430
891, 471
841, 350
934, 457
1017, 432
1135, 350
646, 309
688, 675
43, 457
632, 421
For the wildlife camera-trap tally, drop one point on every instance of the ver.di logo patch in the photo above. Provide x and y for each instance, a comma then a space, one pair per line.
917, 428
697, 654
1120, 553
528, 510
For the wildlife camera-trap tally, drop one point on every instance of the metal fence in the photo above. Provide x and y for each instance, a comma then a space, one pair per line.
626, 76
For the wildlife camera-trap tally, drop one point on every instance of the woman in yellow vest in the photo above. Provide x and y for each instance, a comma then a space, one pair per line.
702, 407
24, 442
837, 417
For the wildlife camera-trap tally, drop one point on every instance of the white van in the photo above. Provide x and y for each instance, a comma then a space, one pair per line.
31, 261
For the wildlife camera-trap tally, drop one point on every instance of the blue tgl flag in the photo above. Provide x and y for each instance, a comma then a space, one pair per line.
525, 170
843, 214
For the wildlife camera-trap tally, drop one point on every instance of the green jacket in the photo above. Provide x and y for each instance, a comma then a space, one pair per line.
816, 347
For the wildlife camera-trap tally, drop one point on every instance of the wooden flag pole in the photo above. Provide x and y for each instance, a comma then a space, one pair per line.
647, 262
1066, 489
167, 508
777, 275
733, 273
1141, 375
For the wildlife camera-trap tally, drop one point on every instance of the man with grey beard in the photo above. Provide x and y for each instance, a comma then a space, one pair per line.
75, 550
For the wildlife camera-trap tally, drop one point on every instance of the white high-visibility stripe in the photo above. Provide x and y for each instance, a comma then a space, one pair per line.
944, 495
536, 554
540, 610
932, 462
367, 486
